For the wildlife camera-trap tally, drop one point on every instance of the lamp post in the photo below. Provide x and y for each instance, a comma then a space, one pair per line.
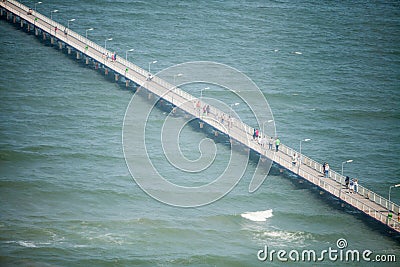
177, 75
126, 53
38, 3
347, 161
231, 105
105, 42
201, 92
304, 140
70, 20
268, 121
91, 29
390, 189
152, 62
51, 13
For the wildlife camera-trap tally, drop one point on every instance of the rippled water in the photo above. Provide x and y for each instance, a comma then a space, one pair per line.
66, 194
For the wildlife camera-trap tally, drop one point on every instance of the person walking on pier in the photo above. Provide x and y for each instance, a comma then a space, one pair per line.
198, 104
231, 121
355, 185
271, 141
351, 186
264, 141
294, 159
326, 170
347, 181
208, 110
277, 143
259, 140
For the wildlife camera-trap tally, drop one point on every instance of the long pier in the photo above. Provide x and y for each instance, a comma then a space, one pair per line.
369, 203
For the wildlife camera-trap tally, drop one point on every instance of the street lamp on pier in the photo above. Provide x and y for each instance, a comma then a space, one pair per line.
390, 189
91, 29
177, 75
105, 42
126, 53
231, 106
152, 62
70, 20
304, 140
38, 3
51, 13
201, 92
347, 161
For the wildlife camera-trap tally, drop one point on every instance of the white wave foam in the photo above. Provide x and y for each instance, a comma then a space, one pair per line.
283, 237
27, 244
80, 246
258, 216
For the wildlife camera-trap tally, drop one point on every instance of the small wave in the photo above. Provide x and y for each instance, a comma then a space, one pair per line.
80, 246
257, 216
284, 238
27, 244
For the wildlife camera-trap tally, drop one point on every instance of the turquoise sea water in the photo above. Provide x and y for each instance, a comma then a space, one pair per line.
67, 198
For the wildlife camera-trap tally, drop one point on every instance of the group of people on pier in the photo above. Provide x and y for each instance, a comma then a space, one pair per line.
206, 111
113, 57
263, 140
352, 184
326, 169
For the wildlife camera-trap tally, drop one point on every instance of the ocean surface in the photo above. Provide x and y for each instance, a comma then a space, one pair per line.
330, 71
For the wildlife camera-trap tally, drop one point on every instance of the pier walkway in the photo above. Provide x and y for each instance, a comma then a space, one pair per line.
365, 200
